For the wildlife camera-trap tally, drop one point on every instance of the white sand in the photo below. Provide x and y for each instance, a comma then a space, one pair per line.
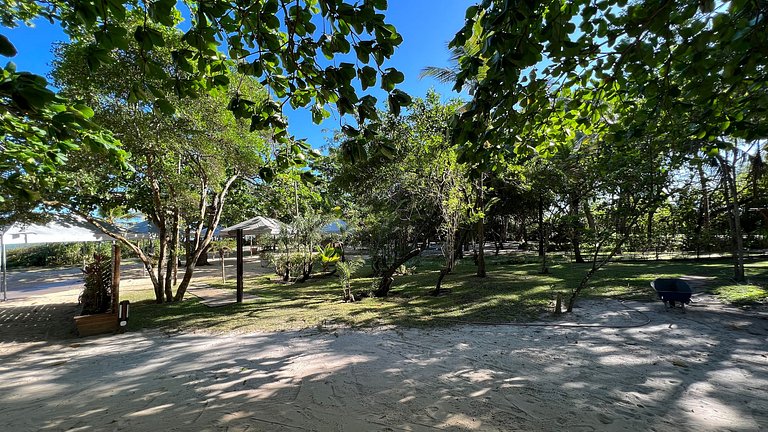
706, 370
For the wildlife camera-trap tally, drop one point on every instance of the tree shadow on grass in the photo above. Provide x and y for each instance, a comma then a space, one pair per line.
510, 293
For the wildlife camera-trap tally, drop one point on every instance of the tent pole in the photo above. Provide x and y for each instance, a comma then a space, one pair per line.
4, 282
240, 241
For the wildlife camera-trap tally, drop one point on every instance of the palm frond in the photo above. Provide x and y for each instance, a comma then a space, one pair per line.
444, 75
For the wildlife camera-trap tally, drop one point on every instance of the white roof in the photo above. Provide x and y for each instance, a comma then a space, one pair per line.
63, 229
255, 226
141, 230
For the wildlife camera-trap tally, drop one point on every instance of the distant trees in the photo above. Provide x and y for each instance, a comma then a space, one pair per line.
407, 187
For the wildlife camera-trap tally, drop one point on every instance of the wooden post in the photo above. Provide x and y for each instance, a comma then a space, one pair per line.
223, 270
115, 277
240, 241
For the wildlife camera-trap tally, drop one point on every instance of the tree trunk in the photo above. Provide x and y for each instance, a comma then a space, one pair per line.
541, 225
731, 195
189, 269
161, 261
202, 260
460, 240
480, 231
652, 243
590, 218
223, 267
596, 265
202, 246
576, 230
438, 287
705, 206
702, 227
187, 245
172, 254
542, 238
387, 275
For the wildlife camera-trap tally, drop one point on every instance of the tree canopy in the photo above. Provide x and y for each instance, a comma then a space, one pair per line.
286, 45
548, 71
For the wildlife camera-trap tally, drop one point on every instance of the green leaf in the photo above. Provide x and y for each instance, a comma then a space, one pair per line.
367, 76
6, 47
350, 131
267, 174
164, 106
85, 110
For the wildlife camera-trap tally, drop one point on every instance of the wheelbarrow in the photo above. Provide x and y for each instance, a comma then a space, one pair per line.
673, 292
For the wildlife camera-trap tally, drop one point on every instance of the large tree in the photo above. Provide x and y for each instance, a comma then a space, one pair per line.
184, 163
407, 190
286, 45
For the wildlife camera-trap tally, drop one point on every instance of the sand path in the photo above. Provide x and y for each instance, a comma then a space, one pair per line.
706, 370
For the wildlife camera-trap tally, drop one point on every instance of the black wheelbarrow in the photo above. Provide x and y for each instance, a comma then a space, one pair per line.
673, 292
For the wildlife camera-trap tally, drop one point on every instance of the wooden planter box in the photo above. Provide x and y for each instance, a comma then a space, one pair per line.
89, 325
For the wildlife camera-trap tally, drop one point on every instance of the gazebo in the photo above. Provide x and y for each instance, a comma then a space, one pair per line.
254, 226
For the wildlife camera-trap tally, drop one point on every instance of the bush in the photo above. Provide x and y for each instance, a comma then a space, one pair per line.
59, 254
293, 262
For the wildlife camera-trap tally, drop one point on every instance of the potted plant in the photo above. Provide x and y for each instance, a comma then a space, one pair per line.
98, 298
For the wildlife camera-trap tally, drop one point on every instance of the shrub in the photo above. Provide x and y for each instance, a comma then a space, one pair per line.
293, 262
345, 277
59, 254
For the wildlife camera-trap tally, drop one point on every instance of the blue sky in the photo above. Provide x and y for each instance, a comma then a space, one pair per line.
426, 27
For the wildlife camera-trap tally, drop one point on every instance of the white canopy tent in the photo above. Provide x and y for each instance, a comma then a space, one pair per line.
63, 229
140, 230
255, 226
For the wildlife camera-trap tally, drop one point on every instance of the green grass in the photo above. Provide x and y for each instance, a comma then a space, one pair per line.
513, 291
741, 293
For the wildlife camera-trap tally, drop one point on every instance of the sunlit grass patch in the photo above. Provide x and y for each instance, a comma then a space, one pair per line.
742, 293
513, 291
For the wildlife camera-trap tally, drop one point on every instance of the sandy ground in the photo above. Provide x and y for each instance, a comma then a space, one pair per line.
649, 369
42, 302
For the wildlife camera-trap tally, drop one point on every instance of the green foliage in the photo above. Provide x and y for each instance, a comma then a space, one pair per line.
276, 42
405, 187
39, 129
292, 262
685, 71
742, 293
184, 162
58, 254
328, 254
97, 294
345, 271
224, 244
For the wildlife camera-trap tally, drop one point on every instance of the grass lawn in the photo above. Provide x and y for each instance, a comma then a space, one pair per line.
513, 291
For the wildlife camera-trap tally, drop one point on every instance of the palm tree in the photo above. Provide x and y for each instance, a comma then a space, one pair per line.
449, 75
